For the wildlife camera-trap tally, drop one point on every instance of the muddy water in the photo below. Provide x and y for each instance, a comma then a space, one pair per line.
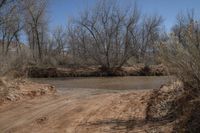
107, 83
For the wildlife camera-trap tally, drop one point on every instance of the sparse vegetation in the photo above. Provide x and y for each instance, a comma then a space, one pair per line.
181, 53
107, 37
105, 40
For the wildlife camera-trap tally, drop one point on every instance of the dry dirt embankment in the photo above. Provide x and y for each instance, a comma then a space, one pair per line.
12, 90
80, 111
137, 70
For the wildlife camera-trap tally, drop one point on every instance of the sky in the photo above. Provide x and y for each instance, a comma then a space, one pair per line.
60, 11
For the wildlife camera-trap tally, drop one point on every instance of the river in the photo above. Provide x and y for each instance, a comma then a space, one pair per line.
107, 83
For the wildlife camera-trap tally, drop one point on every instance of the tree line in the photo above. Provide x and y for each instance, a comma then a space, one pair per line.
105, 35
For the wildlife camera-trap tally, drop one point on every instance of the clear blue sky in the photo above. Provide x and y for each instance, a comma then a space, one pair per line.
61, 10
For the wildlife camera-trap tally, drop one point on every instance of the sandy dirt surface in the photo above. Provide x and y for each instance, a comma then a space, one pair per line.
78, 111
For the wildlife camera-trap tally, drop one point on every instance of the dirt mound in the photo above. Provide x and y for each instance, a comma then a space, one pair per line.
164, 103
174, 105
16, 89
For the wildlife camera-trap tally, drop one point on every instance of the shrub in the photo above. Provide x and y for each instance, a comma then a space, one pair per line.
181, 53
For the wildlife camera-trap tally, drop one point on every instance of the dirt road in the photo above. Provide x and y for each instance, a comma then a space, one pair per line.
79, 111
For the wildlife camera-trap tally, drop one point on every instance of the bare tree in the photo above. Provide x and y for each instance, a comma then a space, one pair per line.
59, 40
6, 8
78, 44
35, 25
149, 35
11, 25
5, 2
107, 35
186, 24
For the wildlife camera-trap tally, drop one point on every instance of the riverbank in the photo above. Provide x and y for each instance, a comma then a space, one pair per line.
137, 70
166, 109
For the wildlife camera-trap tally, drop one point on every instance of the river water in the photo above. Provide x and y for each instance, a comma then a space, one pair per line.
107, 83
